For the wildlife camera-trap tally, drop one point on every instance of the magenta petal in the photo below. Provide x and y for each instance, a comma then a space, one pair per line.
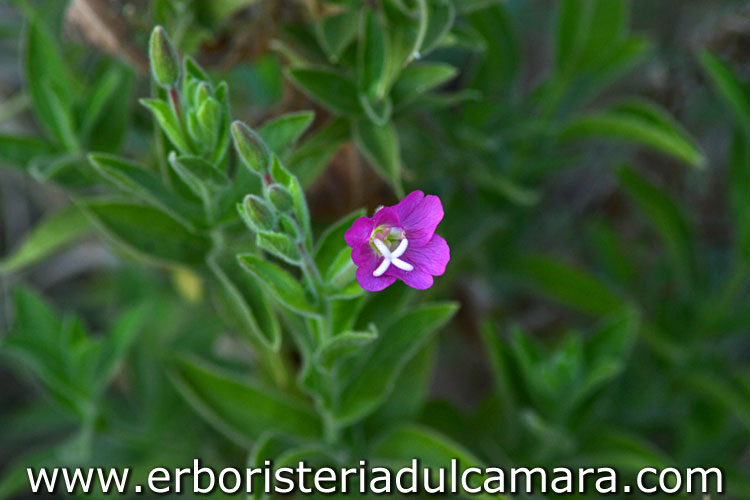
386, 216
359, 232
416, 278
364, 255
431, 258
419, 216
370, 283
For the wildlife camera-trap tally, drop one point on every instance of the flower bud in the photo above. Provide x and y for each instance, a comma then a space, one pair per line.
202, 92
289, 227
209, 120
165, 64
280, 197
257, 213
251, 148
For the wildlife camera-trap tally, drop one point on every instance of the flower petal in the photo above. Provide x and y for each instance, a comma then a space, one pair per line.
364, 255
359, 232
431, 258
416, 278
370, 283
419, 215
386, 216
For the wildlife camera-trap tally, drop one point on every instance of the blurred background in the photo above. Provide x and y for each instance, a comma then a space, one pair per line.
594, 163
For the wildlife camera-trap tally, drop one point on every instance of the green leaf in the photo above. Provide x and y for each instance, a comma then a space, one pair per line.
371, 378
310, 159
247, 304
106, 117
169, 123
331, 242
333, 91
43, 64
285, 288
440, 16
739, 186
281, 246
147, 186
371, 56
149, 231
502, 57
56, 352
337, 32
641, 122
564, 283
340, 276
240, 408
344, 344
281, 133
299, 202
61, 115
380, 146
52, 234
69, 170
666, 217
434, 450
18, 150
588, 31
377, 111
418, 79
116, 344
224, 137
729, 88
197, 173
219, 11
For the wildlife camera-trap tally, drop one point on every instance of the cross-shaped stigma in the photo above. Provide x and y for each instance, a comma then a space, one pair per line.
391, 257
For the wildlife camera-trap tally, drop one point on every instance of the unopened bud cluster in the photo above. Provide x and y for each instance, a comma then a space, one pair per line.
272, 217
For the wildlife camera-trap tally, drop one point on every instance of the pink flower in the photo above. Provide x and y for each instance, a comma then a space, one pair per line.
399, 242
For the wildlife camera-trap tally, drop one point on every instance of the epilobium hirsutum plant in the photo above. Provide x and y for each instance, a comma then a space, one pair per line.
310, 280
328, 354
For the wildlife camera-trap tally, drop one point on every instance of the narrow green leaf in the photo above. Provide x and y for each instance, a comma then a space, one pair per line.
19, 150
332, 241
281, 133
44, 64
434, 450
440, 17
371, 378
285, 288
418, 79
739, 191
380, 146
371, 56
61, 115
149, 232
168, 122
310, 158
730, 89
250, 308
342, 345
147, 186
50, 235
640, 122
330, 89
242, 409
666, 217
564, 283
116, 343
337, 32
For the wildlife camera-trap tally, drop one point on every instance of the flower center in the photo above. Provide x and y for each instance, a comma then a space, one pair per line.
390, 243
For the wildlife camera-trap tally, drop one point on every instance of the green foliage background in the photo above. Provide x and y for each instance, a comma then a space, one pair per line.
593, 158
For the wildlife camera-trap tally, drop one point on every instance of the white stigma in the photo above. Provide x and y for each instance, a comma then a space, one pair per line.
391, 257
